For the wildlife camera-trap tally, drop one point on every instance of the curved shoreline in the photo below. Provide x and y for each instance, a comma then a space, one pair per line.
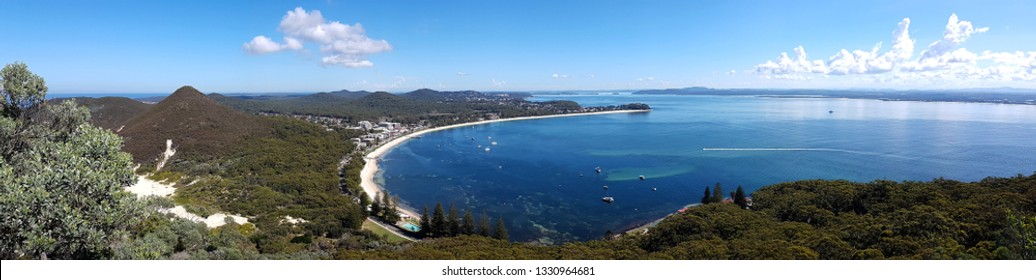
370, 166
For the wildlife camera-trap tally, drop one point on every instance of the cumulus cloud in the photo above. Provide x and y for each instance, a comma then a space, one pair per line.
263, 44
340, 44
957, 31
943, 59
559, 76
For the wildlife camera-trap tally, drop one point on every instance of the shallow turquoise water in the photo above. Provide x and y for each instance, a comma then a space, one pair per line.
411, 227
540, 174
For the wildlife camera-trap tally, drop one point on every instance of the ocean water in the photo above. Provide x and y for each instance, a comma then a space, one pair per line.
540, 177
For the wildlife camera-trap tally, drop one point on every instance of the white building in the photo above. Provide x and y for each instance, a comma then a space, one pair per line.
365, 125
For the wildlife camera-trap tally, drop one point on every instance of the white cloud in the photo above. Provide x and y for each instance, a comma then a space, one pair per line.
943, 59
263, 45
957, 32
462, 74
559, 76
399, 81
340, 44
497, 83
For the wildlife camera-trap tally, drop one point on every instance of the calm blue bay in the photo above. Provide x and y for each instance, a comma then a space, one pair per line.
539, 176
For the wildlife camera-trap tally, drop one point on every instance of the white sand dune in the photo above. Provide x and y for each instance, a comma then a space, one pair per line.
147, 187
212, 221
169, 152
292, 220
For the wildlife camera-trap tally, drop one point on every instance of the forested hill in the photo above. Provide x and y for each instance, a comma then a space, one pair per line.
434, 107
941, 219
109, 112
199, 126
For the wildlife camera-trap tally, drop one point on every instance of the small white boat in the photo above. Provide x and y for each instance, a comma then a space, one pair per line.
608, 199
487, 149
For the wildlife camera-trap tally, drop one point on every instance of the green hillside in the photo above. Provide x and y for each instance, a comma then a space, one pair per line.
110, 112
199, 127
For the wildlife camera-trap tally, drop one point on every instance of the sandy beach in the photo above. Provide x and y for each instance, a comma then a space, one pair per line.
370, 166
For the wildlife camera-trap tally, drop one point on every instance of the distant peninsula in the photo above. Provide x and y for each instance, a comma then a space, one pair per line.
994, 95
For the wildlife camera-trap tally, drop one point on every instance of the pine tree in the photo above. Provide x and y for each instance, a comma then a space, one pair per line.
389, 212
376, 206
440, 228
740, 199
717, 193
483, 225
426, 222
708, 196
453, 219
501, 230
468, 227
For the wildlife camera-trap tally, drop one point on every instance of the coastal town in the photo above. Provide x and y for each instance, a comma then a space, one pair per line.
379, 137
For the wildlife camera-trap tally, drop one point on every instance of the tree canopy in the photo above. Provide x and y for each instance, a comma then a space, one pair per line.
62, 179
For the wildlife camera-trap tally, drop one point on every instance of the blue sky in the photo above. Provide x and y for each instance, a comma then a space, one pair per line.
151, 47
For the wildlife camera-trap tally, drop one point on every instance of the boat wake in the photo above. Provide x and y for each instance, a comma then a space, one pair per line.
809, 150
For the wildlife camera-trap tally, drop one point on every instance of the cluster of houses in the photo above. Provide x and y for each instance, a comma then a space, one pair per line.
329, 123
380, 132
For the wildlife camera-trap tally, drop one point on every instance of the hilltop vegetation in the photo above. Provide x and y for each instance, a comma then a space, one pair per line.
433, 107
199, 127
110, 112
941, 219
266, 168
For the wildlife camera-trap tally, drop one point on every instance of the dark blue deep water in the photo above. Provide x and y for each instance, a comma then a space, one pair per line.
540, 175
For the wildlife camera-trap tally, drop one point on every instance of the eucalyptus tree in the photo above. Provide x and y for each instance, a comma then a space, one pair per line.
61, 179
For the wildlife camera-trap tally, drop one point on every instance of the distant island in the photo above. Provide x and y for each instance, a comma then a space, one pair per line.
998, 95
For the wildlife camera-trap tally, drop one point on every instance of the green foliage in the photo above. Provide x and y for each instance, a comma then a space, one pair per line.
21, 91
162, 237
941, 219
707, 198
468, 226
483, 225
717, 193
426, 222
739, 198
201, 129
62, 179
292, 172
1024, 231
421, 106
501, 230
111, 112
453, 221
440, 226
